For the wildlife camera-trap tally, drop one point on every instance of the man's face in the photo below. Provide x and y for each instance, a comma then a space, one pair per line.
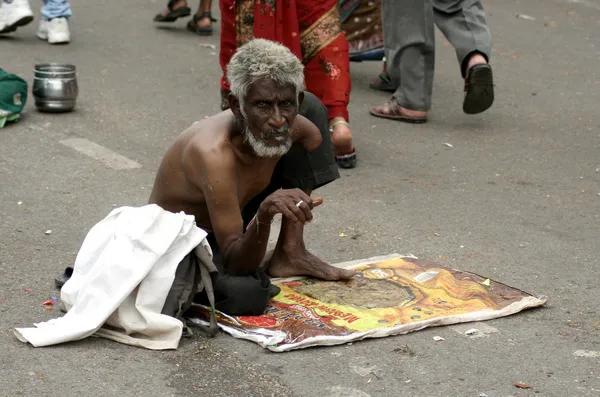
270, 112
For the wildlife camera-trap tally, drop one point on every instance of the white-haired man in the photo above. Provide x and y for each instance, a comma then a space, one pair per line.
238, 169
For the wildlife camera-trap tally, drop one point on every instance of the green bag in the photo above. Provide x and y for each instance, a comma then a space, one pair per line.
13, 96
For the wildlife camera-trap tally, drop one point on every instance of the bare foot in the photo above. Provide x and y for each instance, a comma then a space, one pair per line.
302, 263
341, 136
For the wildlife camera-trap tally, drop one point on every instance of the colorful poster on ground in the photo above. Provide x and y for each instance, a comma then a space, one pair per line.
387, 296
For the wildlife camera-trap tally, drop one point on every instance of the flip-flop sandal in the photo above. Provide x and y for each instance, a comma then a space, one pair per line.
479, 89
172, 16
344, 160
383, 83
62, 278
193, 26
395, 114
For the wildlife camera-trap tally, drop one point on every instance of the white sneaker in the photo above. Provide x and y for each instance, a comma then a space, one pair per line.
13, 14
56, 31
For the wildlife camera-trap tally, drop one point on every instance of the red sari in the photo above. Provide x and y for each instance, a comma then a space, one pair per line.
311, 29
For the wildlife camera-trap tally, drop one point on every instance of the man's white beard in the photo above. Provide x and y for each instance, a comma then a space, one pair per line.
261, 149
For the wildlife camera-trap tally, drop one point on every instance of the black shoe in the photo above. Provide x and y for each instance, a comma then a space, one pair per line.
61, 279
479, 89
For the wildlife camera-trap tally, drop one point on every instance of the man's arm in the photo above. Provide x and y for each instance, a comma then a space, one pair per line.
213, 172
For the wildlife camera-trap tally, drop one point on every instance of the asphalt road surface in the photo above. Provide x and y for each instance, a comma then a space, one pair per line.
516, 198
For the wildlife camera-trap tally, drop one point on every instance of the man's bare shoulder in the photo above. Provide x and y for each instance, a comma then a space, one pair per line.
207, 146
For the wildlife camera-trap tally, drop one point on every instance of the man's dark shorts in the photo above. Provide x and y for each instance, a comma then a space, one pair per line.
249, 295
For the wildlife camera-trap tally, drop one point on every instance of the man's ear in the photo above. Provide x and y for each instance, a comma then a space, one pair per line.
234, 105
300, 98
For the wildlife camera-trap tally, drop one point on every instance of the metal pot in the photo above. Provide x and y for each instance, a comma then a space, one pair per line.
55, 87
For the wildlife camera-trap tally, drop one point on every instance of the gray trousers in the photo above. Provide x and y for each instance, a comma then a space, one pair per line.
408, 27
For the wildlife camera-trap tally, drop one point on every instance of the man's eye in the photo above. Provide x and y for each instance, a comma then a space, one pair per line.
263, 105
288, 103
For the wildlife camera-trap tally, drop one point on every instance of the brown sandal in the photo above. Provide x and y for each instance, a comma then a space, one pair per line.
391, 110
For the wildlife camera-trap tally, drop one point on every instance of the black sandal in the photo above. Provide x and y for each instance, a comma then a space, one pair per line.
383, 83
193, 26
62, 278
344, 160
173, 14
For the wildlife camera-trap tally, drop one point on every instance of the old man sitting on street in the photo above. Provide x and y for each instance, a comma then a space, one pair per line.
217, 190
237, 170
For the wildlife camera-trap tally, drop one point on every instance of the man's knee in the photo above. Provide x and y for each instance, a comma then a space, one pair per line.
244, 296
314, 110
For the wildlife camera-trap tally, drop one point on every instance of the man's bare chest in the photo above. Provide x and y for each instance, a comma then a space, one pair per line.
252, 182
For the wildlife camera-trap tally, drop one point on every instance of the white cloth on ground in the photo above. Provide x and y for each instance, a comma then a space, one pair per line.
122, 276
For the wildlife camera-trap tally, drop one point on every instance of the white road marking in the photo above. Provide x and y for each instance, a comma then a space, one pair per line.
100, 153
586, 3
340, 391
586, 353
482, 329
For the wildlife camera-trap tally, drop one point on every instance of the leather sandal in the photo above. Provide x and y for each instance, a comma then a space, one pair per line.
193, 26
173, 14
392, 110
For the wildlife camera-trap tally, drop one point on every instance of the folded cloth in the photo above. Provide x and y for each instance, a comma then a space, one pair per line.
121, 279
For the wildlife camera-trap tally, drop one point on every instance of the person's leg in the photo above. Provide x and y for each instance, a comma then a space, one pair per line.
328, 77
291, 258
202, 21
463, 23
383, 82
409, 43
327, 70
14, 14
306, 171
54, 25
237, 295
228, 45
56, 9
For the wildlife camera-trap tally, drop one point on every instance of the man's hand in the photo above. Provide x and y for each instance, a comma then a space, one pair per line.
293, 204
